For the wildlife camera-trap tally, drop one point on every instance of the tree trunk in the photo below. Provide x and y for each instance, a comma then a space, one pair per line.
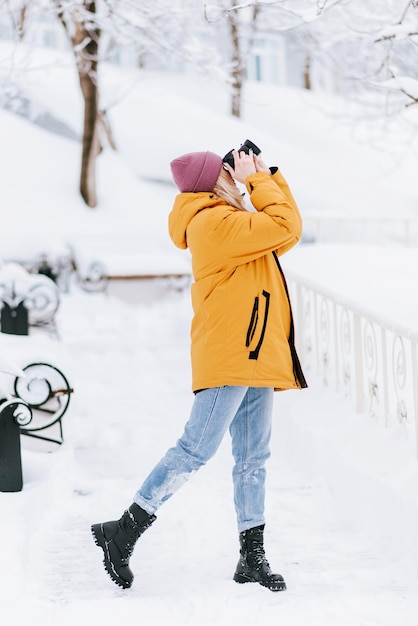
91, 145
239, 57
307, 72
18, 18
237, 72
86, 48
85, 36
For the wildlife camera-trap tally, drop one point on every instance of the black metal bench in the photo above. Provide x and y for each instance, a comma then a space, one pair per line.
35, 405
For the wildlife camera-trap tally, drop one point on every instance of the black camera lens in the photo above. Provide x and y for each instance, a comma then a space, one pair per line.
228, 158
249, 145
245, 147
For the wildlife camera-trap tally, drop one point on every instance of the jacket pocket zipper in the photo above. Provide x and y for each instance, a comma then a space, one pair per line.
253, 323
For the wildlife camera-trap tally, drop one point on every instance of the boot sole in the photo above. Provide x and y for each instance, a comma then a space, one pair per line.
100, 541
279, 585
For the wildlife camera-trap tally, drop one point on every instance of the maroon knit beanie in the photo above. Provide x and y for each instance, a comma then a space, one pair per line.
196, 171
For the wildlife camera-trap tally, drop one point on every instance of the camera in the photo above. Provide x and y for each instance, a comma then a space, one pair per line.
245, 147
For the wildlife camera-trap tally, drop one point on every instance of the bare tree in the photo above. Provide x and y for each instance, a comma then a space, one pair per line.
367, 46
82, 28
242, 31
18, 10
165, 30
255, 18
239, 58
399, 40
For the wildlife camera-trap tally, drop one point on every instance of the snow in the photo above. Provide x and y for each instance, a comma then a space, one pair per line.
342, 503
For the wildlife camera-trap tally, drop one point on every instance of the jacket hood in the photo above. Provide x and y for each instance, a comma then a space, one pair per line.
186, 206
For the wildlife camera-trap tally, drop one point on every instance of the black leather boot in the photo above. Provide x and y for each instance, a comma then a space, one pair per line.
253, 566
117, 540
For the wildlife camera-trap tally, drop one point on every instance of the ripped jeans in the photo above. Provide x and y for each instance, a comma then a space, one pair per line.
246, 411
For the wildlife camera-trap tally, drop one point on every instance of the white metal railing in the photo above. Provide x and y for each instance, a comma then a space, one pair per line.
371, 359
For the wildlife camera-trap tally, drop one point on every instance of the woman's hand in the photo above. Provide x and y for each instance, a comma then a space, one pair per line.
260, 166
244, 166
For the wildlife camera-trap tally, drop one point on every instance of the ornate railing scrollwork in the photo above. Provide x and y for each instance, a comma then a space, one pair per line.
306, 306
399, 376
324, 333
371, 362
346, 346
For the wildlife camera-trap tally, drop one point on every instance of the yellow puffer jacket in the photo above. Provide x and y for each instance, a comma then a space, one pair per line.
242, 329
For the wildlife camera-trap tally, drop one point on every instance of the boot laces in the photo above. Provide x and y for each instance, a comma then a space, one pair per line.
130, 545
257, 556
136, 532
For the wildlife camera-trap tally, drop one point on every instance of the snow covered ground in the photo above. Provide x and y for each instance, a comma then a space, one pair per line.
342, 503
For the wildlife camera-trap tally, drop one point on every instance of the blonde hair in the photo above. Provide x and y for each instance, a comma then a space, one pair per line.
226, 189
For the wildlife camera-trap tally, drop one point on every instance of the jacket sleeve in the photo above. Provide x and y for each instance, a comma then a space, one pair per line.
281, 182
242, 236
294, 218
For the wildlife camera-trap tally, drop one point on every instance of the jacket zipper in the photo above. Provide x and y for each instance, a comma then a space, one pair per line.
297, 368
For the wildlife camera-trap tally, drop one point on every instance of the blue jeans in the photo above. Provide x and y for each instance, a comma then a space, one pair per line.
246, 411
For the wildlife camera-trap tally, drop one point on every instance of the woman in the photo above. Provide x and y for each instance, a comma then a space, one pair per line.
242, 347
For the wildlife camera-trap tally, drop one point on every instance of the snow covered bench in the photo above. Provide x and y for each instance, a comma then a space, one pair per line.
47, 255
99, 262
96, 263
26, 299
